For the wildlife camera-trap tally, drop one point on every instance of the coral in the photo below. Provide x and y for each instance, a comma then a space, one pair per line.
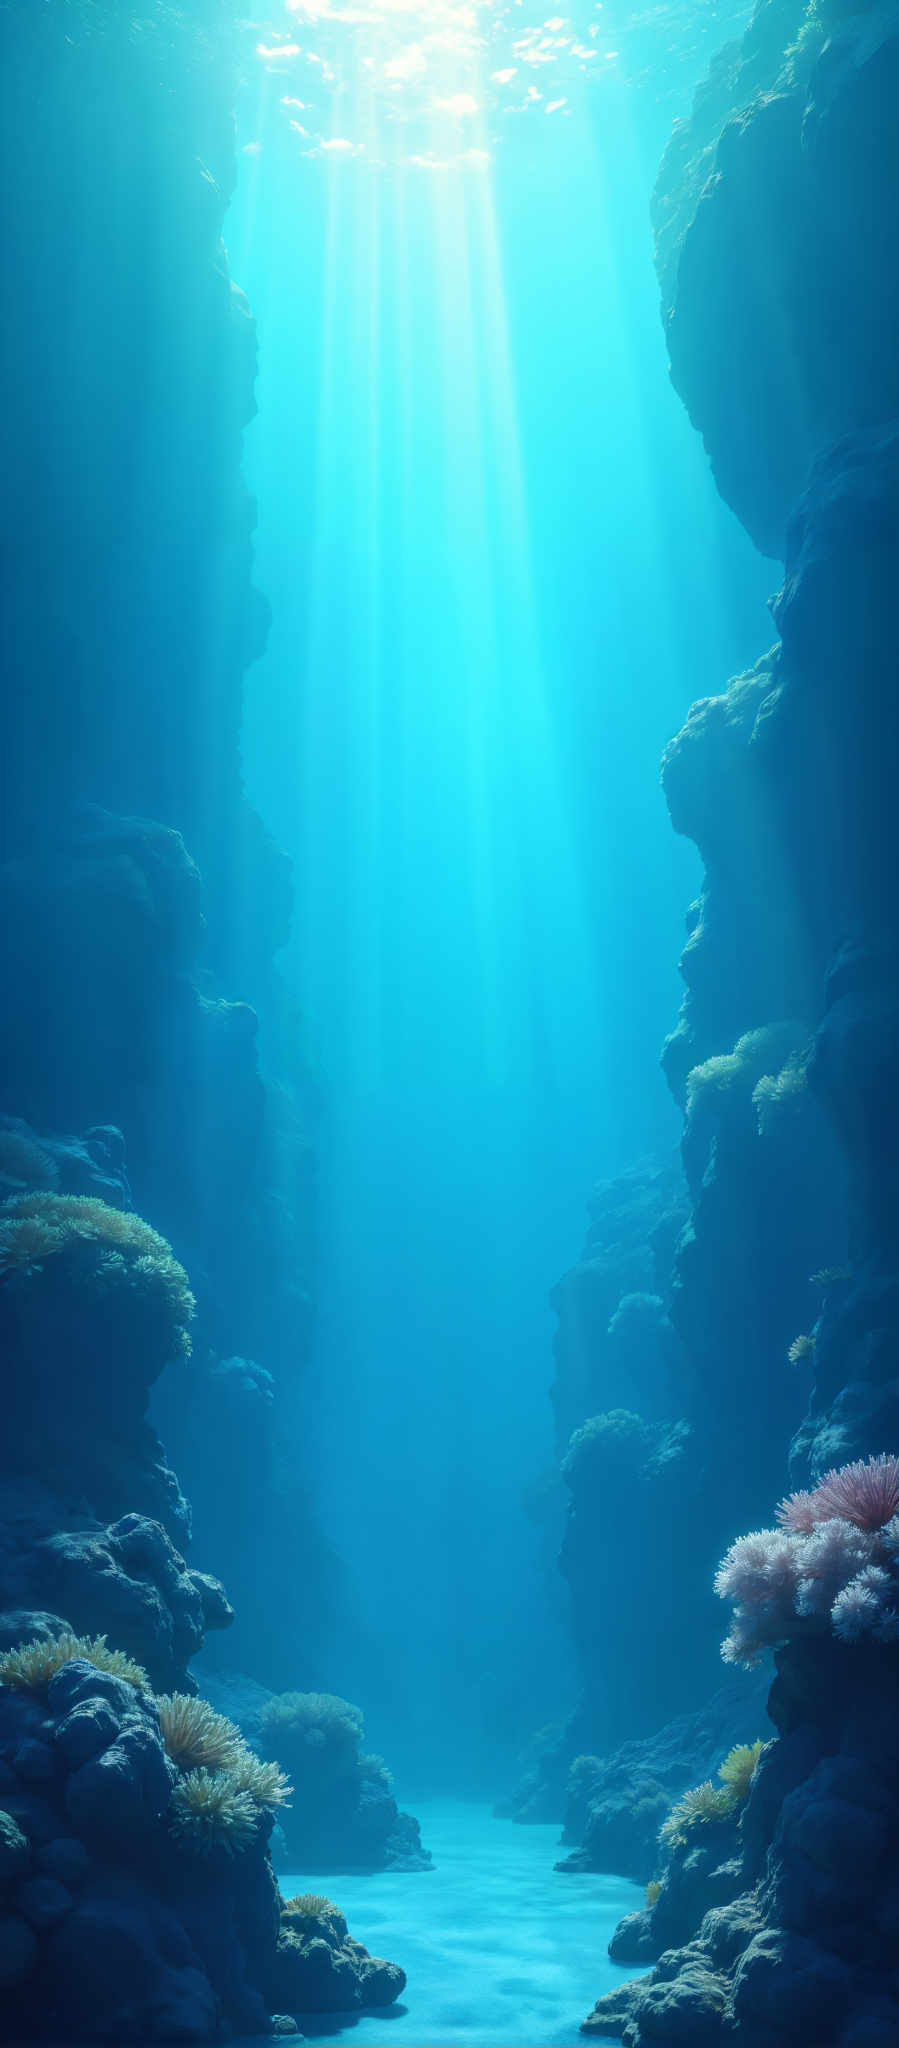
31, 1667
102, 1254
306, 1906
702, 1803
652, 1892
196, 1736
866, 1493
323, 1730
344, 1816
747, 1066
778, 1095
835, 1558
208, 1812
866, 1605
23, 1159
266, 1783
829, 1555
738, 1768
802, 1351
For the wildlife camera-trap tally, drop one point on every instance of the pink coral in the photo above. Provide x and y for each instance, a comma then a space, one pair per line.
797, 1512
866, 1493
835, 1556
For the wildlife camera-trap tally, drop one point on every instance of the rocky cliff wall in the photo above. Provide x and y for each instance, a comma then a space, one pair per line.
775, 220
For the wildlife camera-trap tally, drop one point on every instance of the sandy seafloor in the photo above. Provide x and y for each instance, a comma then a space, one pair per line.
500, 1950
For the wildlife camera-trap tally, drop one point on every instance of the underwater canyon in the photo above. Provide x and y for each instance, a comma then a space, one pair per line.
367, 542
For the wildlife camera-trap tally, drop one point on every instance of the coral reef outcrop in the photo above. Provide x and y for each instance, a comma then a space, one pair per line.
343, 1815
137, 1897
776, 251
141, 906
775, 1920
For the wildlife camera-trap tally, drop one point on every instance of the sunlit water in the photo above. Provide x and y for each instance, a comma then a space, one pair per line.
497, 1946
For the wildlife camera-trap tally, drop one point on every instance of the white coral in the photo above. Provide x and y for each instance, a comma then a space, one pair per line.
862, 1605
829, 1558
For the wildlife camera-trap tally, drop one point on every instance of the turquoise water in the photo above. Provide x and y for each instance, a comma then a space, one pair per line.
496, 1945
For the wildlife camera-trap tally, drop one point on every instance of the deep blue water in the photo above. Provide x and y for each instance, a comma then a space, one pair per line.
499, 573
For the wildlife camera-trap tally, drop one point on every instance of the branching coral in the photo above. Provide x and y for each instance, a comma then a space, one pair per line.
31, 1667
101, 1252
209, 1812
834, 1558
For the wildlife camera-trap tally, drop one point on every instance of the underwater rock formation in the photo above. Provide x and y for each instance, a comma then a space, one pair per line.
141, 900
343, 1816
617, 1804
141, 905
779, 1925
137, 1897
787, 782
777, 249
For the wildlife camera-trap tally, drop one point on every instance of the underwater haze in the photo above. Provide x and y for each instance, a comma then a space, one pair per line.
449, 1213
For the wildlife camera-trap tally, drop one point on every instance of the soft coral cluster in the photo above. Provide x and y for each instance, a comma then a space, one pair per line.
833, 1559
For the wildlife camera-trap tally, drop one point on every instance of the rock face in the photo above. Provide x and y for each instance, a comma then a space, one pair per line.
128, 1914
141, 900
617, 1804
141, 906
783, 1929
777, 244
343, 1815
776, 247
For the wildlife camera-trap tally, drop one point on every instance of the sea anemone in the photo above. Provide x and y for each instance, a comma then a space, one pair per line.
31, 1667
195, 1736
307, 1906
801, 1351
266, 1783
208, 1812
106, 1250
738, 1769
702, 1803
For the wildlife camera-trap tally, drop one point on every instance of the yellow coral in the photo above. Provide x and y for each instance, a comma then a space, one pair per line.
307, 1906
802, 1351
195, 1735
266, 1783
34, 1227
702, 1803
31, 1667
652, 1892
738, 1768
208, 1812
